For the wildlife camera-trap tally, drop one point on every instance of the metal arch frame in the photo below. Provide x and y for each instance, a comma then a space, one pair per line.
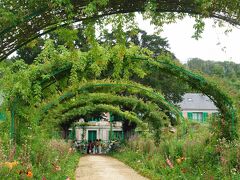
68, 95
199, 80
46, 14
102, 106
227, 104
102, 100
105, 107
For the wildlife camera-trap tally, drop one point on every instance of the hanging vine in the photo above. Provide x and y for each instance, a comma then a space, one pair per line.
57, 71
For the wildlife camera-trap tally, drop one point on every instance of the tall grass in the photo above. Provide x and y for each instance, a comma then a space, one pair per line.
39, 159
197, 154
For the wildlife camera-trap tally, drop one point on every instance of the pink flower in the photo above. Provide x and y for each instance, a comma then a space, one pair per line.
169, 163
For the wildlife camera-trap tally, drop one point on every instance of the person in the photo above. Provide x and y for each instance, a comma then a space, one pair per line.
96, 146
93, 147
99, 146
89, 148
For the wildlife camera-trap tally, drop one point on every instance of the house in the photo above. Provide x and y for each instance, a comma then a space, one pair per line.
105, 128
196, 106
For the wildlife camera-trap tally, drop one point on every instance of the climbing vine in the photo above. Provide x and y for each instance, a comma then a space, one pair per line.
63, 75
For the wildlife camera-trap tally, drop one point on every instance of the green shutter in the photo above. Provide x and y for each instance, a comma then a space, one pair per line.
189, 115
2, 116
181, 113
205, 116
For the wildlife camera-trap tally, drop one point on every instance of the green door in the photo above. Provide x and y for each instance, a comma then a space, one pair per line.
92, 135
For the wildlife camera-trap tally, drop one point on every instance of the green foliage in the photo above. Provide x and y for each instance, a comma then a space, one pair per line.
29, 52
67, 36
197, 155
220, 69
52, 159
88, 103
37, 18
199, 27
225, 73
56, 70
82, 111
60, 161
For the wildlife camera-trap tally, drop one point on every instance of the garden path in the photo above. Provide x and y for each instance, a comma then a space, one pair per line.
93, 167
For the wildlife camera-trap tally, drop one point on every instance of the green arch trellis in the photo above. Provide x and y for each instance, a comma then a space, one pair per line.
126, 115
85, 87
104, 108
153, 97
222, 101
67, 114
96, 98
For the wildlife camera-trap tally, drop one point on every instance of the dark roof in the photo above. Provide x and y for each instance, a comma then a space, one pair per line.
197, 101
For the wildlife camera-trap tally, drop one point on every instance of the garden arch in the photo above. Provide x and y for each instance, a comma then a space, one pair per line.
93, 87
221, 99
89, 94
44, 17
69, 116
223, 102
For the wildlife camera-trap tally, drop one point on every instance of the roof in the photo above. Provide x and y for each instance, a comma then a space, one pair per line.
197, 101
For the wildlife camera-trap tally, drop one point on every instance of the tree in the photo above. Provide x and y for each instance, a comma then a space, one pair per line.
224, 69
29, 52
22, 22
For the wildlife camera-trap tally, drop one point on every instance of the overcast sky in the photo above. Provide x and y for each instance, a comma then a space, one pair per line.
207, 48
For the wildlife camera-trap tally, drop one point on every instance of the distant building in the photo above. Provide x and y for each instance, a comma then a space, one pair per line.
99, 128
196, 106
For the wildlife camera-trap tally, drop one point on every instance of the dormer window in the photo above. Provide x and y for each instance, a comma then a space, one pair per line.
189, 99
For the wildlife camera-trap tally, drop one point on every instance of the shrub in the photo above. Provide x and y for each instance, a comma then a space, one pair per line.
49, 158
196, 155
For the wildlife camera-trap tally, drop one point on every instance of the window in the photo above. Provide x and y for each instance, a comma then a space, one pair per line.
198, 116
94, 119
117, 135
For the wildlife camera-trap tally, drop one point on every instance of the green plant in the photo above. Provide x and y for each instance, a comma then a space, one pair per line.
192, 156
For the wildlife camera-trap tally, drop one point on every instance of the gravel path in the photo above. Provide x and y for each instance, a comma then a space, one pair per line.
97, 167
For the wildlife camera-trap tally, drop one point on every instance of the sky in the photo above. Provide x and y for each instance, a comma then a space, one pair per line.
214, 44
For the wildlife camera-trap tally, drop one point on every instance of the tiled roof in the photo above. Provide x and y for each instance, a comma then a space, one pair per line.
197, 101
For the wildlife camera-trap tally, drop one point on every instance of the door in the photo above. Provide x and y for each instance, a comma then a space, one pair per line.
92, 135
